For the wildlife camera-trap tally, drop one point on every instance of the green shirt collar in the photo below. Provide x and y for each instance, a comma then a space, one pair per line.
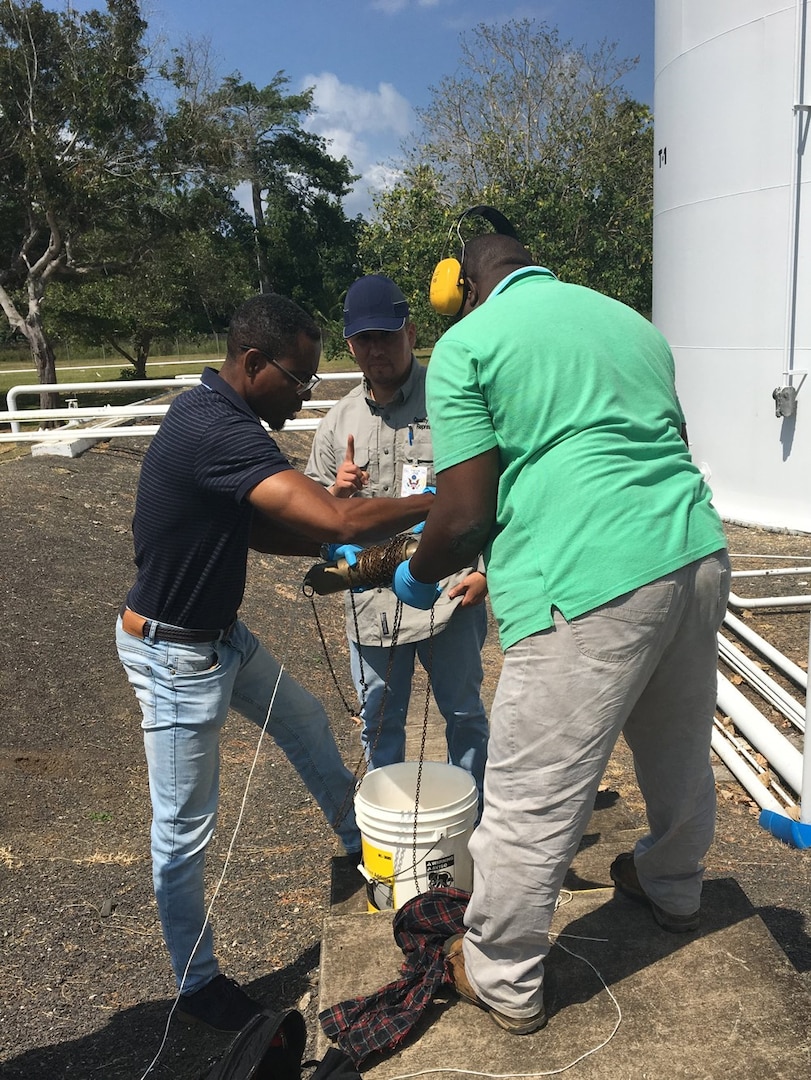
522, 272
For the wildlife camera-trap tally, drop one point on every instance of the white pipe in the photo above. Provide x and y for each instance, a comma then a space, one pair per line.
772, 573
747, 777
103, 433
763, 683
756, 729
101, 412
746, 753
16, 416
788, 667
799, 120
805, 792
65, 434
743, 555
768, 601
32, 389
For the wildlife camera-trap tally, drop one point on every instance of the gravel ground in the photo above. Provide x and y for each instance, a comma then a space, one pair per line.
86, 988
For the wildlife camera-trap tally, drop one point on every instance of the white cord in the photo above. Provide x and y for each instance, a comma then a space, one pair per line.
783, 558
241, 814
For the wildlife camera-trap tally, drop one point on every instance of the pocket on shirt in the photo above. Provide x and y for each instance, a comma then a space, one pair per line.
420, 450
366, 457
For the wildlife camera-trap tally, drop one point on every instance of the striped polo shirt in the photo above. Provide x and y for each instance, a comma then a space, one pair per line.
192, 518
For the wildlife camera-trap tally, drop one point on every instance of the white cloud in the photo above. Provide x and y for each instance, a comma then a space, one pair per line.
367, 126
339, 103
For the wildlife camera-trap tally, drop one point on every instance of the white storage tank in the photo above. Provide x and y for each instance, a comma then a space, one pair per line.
732, 244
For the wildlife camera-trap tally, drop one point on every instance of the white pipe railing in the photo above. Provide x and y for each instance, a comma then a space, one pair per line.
761, 734
745, 603
769, 601
742, 772
765, 685
747, 634
73, 414
794, 766
102, 433
772, 573
35, 389
805, 791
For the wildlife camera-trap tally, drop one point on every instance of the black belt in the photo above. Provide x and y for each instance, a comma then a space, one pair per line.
140, 627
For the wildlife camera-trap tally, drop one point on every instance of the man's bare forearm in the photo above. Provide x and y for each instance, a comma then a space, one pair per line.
273, 539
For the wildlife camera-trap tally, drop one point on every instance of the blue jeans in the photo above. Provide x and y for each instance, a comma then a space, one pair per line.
185, 692
453, 661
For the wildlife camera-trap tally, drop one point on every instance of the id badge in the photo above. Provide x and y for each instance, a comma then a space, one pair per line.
415, 479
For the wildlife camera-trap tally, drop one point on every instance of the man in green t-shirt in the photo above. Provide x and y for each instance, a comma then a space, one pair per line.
558, 450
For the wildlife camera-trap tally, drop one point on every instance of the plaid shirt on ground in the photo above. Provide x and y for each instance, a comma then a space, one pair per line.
377, 1023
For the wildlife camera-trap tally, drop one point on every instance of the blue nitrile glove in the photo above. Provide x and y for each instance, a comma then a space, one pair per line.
343, 551
421, 525
418, 594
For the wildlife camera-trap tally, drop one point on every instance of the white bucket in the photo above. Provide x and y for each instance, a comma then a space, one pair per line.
395, 867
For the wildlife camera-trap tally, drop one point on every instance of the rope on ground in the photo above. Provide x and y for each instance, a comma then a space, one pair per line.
231, 846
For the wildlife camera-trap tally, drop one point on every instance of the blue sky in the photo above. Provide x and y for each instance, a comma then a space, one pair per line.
372, 62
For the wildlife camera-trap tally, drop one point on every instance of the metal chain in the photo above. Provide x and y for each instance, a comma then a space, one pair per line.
422, 751
343, 809
327, 656
362, 765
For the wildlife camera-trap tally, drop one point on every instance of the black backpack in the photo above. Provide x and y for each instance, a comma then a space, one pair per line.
271, 1046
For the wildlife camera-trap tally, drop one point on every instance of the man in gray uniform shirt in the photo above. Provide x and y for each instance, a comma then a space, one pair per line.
377, 442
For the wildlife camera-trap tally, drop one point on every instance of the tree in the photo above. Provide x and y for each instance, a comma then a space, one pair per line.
521, 96
406, 237
542, 130
75, 122
592, 222
241, 134
192, 270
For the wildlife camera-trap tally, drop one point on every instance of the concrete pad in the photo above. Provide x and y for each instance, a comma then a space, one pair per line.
634, 1003
71, 448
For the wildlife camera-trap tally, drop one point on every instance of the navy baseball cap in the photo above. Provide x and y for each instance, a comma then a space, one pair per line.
374, 303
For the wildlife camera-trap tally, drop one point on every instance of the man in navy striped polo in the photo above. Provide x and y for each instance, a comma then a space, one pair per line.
214, 484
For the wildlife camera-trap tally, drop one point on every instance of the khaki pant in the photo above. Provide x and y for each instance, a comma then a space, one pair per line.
644, 664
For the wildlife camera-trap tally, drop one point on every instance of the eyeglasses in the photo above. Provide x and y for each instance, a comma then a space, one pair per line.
302, 386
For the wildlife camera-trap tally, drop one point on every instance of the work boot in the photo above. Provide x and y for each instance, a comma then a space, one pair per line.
623, 874
221, 1004
455, 960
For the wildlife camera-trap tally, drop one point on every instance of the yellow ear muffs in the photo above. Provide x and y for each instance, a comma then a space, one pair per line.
447, 287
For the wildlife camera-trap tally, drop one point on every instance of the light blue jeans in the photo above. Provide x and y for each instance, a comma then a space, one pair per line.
185, 692
453, 661
644, 664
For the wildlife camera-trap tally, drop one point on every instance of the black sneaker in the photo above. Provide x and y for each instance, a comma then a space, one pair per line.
623, 874
220, 1004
